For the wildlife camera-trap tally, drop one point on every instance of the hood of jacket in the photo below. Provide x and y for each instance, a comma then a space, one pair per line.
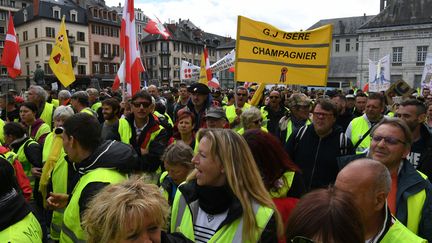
110, 154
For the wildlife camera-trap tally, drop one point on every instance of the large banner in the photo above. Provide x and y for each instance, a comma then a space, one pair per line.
427, 72
188, 71
265, 54
224, 63
379, 74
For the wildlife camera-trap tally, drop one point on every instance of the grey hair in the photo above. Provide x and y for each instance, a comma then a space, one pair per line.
93, 91
40, 92
64, 94
63, 112
398, 123
249, 116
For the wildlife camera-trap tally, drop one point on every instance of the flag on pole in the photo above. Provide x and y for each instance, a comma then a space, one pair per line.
11, 58
157, 28
132, 60
205, 71
60, 60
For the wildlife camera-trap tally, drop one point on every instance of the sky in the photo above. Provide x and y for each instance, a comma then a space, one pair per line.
220, 16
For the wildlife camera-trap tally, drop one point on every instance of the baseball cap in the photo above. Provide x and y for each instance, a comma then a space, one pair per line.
216, 112
199, 88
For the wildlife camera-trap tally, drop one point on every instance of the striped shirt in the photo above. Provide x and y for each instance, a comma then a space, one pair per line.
206, 225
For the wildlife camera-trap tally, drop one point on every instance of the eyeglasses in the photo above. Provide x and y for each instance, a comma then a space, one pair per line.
301, 239
143, 104
321, 114
239, 94
274, 97
387, 140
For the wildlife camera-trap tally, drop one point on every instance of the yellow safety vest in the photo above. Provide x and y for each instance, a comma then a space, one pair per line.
359, 126
181, 221
242, 131
47, 114
231, 114
2, 123
43, 129
415, 205
163, 191
71, 228
125, 132
20, 155
399, 233
95, 107
289, 128
89, 111
27, 229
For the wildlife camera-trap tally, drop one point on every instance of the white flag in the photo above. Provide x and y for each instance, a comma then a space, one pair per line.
379, 74
427, 72
188, 71
224, 63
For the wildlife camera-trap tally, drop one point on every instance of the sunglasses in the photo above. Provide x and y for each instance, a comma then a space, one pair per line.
274, 97
143, 104
238, 94
387, 140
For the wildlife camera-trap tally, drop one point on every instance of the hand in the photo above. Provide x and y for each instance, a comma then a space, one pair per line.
57, 200
36, 172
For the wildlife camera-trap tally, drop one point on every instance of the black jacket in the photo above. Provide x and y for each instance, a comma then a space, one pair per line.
316, 156
235, 211
425, 163
151, 161
110, 154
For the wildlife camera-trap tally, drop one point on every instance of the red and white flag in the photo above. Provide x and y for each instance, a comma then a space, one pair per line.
157, 28
10, 58
132, 65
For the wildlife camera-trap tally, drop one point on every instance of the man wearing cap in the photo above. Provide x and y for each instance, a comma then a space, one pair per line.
299, 106
273, 112
350, 102
234, 111
80, 103
200, 100
216, 118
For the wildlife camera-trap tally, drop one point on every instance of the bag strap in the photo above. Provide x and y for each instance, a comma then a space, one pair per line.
363, 137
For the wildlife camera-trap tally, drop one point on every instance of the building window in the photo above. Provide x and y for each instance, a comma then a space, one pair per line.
49, 49
3, 14
347, 45
105, 49
114, 17
165, 74
165, 61
73, 16
116, 50
139, 29
82, 52
25, 15
421, 53
2, 30
36, 32
28, 69
357, 44
56, 14
81, 36
397, 56
374, 54
25, 36
37, 50
337, 44
106, 68
95, 67
82, 69
27, 52
96, 48
47, 69
50, 32
115, 67
24, 5
95, 13
12, 4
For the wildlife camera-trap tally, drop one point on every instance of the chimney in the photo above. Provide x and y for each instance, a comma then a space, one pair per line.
35, 7
119, 5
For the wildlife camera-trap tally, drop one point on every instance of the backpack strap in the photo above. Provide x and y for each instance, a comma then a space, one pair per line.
299, 136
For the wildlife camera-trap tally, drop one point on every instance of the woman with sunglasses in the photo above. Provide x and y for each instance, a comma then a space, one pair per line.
251, 119
184, 128
222, 200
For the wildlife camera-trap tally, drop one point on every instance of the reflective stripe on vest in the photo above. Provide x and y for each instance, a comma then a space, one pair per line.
287, 179
399, 233
47, 114
415, 205
71, 228
358, 128
181, 221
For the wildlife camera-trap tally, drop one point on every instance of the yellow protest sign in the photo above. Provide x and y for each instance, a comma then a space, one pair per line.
265, 54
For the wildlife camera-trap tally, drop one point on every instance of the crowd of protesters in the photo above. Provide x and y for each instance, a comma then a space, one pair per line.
194, 164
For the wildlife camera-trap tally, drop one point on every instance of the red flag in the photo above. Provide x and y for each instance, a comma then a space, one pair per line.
157, 28
10, 57
132, 60
207, 65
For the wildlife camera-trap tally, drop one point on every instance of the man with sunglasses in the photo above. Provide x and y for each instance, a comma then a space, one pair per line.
413, 112
410, 195
142, 130
273, 112
234, 111
299, 110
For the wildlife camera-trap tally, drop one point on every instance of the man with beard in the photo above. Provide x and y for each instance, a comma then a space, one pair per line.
413, 112
110, 112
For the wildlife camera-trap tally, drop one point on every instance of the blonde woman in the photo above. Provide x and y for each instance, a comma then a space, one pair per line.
223, 199
131, 211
